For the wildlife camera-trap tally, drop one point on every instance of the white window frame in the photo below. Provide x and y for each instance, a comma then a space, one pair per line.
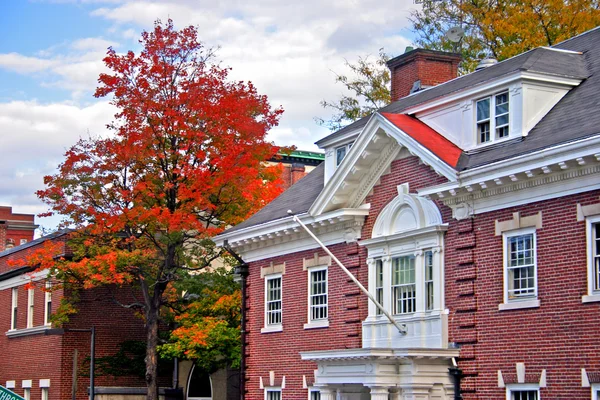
322, 322
48, 303
595, 391
593, 294
30, 307
346, 148
272, 327
520, 387
492, 119
45, 394
399, 286
14, 309
311, 391
275, 390
524, 301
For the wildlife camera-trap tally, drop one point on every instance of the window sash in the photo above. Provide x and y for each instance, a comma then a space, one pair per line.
273, 301
379, 285
493, 115
14, 310
315, 395
428, 280
524, 395
273, 394
48, 303
403, 285
318, 295
30, 307
521, 266
596, 255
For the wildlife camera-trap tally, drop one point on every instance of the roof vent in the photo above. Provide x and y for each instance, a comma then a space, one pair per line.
486, 62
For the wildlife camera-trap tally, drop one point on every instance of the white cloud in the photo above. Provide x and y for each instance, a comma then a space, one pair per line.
23, 64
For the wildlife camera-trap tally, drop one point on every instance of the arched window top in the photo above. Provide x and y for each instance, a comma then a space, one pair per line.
406, 212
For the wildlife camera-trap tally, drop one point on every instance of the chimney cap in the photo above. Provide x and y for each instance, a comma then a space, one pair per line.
430, 54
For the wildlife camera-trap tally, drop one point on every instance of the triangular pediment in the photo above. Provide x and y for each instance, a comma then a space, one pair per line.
381, 142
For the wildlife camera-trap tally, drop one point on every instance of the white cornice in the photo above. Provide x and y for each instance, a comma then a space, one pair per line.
501, 81
367, 353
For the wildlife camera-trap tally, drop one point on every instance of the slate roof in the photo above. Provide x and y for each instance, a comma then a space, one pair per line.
298, 198
575, 117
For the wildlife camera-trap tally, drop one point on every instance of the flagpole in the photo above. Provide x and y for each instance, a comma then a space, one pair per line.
401, 327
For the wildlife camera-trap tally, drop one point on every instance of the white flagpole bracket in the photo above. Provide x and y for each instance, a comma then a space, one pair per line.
401, 327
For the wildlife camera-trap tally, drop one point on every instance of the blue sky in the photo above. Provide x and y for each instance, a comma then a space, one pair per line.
51, 54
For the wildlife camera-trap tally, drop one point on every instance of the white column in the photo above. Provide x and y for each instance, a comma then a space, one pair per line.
371, 265
379, 393
387, 283
419, 281
327, 393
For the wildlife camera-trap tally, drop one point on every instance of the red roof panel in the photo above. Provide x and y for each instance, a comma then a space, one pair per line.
444, 149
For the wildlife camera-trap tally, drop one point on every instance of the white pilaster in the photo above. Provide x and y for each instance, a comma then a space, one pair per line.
379, 393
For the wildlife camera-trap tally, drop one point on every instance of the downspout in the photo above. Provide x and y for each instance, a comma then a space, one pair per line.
242, 271
458, 375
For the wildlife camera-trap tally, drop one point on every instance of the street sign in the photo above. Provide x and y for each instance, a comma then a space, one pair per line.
6, 394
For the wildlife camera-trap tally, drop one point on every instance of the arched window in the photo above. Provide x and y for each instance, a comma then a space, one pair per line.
199, 385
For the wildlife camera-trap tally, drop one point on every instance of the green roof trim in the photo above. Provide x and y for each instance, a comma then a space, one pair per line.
312, 155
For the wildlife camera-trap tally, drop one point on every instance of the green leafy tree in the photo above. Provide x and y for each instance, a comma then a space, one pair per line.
369, 87
501, 28
208, 324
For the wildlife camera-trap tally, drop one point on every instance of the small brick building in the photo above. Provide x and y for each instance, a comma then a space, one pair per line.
470, 211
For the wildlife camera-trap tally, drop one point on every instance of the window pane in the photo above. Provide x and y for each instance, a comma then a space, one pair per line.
403, 285
524, 395
273, 395
483, 131
521, 266
340, 153
379, 284
502, 120
314, 395
483, 109
502, 103
318, 294
274, 301
428, 280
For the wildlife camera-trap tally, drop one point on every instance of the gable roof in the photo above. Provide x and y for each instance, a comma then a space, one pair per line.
298, 198
574, 117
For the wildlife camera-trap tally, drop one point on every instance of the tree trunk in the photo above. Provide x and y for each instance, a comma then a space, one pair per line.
152, 353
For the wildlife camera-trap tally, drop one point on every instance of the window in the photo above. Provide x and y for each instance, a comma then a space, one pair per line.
403, 285
22, 241
318, 294
492, 118
272, 394
30, 298
273, 301
45, 393
13, 315
595, 391
47, 303
428, 280
379, 285
340, 153
520, 266
314, 394
593, 254
524, 395
27, 393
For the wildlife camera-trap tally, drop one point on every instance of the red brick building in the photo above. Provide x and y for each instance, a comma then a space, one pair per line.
15, 229
470, 211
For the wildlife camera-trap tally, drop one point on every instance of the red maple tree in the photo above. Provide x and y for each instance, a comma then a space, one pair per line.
186, 159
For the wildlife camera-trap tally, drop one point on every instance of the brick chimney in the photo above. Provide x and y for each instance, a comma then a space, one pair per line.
420, 69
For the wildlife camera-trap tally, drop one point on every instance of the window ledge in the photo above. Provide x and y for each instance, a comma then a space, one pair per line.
272, 329
516, 305
324, 323
36, 330
592, 298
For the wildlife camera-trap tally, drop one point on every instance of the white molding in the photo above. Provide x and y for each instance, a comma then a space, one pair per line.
44, 383
10, 384
23, 279
36, 330
518, 305
323, 323
26, 384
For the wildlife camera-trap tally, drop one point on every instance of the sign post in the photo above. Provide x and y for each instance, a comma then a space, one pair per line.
6, 394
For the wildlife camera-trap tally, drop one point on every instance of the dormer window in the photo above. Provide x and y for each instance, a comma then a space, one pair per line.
492, 118
340, 153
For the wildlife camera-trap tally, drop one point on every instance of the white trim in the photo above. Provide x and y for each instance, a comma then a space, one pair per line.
44, 383
268, 328
14, 308
47, 301
317, 323
592, 295
490, 85
23, 279
30, 307
36, 330
515, 387
10, 384
595, 391
26, 383
528, 301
